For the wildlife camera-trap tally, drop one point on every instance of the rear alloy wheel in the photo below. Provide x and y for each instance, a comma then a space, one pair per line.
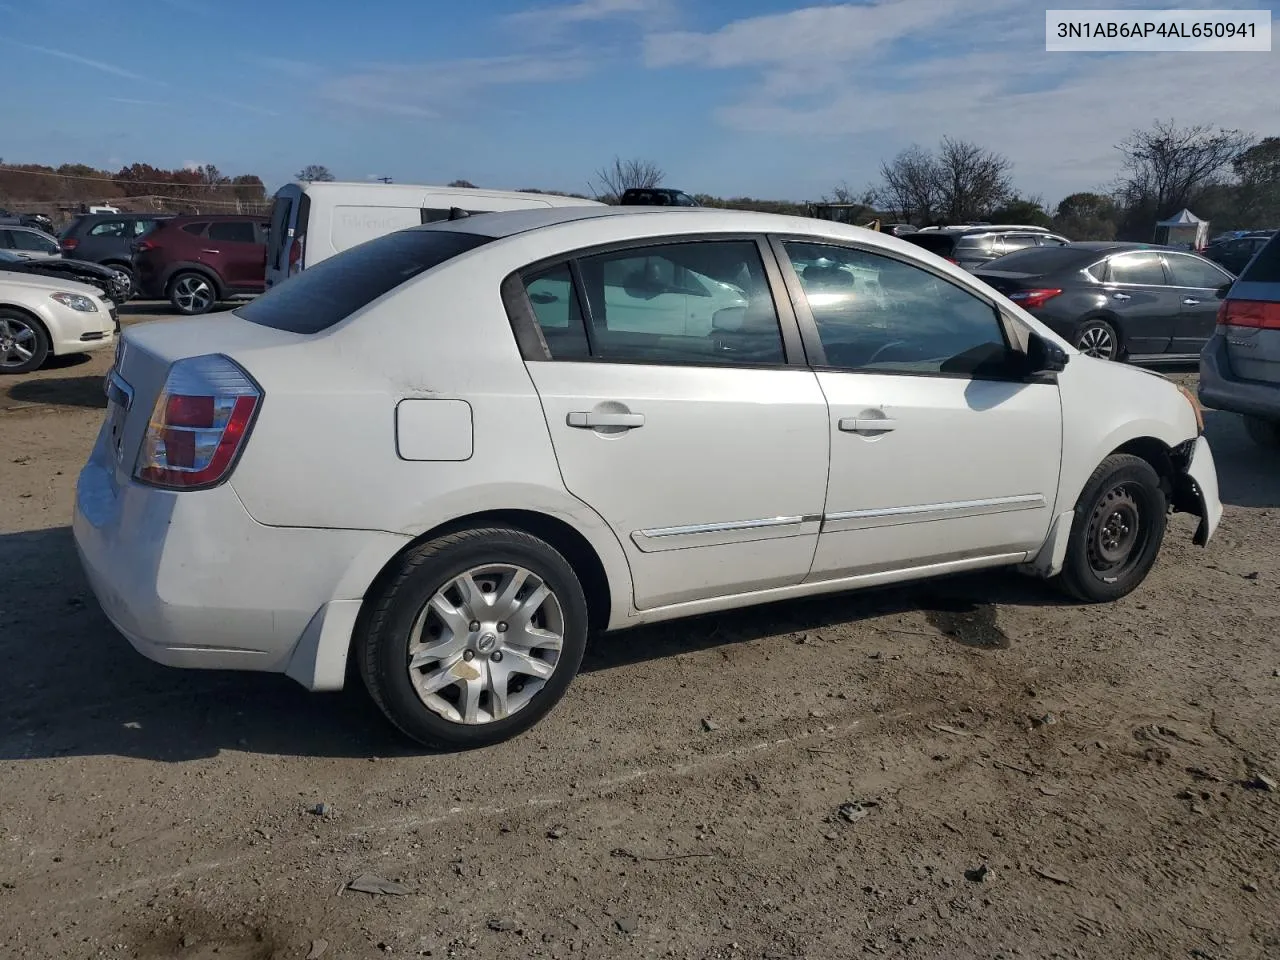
1265, 433
192, 293
475, 638
126, 282
23, 344
1097, 338
1117, 530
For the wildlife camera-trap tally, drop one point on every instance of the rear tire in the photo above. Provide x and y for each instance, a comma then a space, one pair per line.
127, 270
1265, 433
192, 293
1117, 530
24, 345
1097, 338
474, 638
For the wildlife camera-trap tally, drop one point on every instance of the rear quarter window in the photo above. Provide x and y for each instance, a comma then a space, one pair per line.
332, 290
1265, 267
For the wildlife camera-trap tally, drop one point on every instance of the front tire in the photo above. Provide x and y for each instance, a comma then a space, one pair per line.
1117, 530
1097, 338
1265, 433
475, 637
192, 293
24, 346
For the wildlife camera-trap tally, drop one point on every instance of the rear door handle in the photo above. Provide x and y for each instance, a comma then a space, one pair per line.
210, 251
589, 420
856, 425
1121, 296
1190, 301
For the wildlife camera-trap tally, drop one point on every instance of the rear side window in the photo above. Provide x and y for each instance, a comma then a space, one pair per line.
938, 243
195, 228
110, 228
337, 287
233, 231
1140, 268
1265, 267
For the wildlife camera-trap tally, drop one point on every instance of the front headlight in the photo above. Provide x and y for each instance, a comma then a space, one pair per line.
1195, 408
76, 301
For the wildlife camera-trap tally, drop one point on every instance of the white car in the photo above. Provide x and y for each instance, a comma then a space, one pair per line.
404, 457
42, 317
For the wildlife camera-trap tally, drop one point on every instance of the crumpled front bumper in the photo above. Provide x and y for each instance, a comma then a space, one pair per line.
1196, 490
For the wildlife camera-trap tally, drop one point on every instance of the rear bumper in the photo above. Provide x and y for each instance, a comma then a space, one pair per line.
191, 580
1220, 389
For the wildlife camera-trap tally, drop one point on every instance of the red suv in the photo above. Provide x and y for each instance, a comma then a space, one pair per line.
196, 262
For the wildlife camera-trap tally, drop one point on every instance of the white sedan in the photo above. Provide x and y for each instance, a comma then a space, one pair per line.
454, 452
42, 317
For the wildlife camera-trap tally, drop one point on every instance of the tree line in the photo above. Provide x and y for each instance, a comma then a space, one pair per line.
1225, 176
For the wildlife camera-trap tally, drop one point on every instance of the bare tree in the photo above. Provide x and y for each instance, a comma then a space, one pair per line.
910, 187
211, 176
972, 181
622, 175
1167, 167
462, 183
314, 171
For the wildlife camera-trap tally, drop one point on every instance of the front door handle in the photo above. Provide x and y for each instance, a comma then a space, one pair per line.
1121, 296
1189, 301
210, 251
867, 425
590, 420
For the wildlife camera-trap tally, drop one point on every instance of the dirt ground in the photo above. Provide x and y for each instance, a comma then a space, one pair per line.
973, 768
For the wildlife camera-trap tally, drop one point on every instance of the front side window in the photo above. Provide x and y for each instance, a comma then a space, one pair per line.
1141, 268
1190, 272
881, 315
705, 302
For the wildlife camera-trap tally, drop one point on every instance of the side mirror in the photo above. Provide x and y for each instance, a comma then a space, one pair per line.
1222, 291
1044, 356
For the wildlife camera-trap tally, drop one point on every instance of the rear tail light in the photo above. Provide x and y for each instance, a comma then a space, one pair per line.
953, 260
142, 246
1031, 299
199, 425
69, 244
295, 255
1249, 313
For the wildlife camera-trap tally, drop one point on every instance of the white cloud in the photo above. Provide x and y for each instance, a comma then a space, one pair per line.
434, 89
83, 61
588, 11
870, 79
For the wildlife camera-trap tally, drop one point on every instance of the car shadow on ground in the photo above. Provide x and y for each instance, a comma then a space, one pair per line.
147, 308
1248, 474
70, 685
61, 392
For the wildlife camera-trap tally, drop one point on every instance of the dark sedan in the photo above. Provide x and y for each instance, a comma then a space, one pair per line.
114, 284
1118, 301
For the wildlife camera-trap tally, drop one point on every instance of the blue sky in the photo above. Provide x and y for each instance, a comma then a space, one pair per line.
756, 97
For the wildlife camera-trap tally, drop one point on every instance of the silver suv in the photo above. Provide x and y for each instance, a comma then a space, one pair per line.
1240, 365
973, 245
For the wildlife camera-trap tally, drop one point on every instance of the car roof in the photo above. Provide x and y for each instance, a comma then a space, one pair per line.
960, 228
125, 215
1119, 246
23, 228
507, 223
211, 217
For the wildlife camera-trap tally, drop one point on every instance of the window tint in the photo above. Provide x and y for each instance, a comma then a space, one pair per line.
555, 304
1265, 267
338, 286
1190, 272
233, 231
940, 243
882, 315
704, 302
1018, 241
196, 228
1099, 271
110, 228
1137, 268
33, 242
141, 227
